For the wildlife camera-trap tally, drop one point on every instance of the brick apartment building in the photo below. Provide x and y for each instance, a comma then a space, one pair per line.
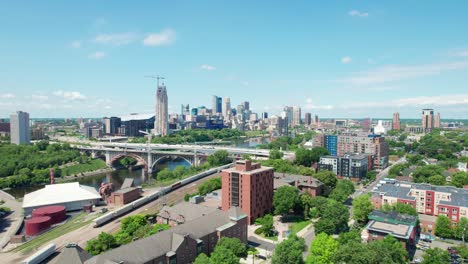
305, 184
373, 145
426, 199
248, 186
182, 243
400, 226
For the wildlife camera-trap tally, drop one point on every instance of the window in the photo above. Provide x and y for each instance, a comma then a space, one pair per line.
454, 217
428, 199
429, 195
454, 211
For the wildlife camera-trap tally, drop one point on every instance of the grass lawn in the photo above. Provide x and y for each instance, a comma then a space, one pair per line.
298, 226
92, 165
73, 224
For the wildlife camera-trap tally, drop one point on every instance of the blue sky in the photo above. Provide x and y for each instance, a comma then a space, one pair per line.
334, 58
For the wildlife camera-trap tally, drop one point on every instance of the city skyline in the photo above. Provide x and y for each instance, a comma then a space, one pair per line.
347, 60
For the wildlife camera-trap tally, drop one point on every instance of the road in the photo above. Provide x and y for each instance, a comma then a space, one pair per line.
383, 174
9, 224
82, 235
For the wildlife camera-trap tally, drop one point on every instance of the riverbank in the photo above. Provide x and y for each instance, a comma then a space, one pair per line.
85, 174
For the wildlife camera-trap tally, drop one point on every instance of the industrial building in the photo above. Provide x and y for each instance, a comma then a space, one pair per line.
72, 196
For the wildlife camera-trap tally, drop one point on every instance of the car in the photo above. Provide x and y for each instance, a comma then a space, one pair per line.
426, 239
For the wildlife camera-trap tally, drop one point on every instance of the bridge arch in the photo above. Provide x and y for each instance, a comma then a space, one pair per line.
140, 160
170, 157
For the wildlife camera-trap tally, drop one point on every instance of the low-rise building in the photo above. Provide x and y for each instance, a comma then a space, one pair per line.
400, 226
182, 213
425, 198
305, 184
182, 243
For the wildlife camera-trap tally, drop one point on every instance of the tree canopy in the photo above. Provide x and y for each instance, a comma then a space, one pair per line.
443, 227
286, 199
220, 157
362, 207
322, 249
289, 251
436, 256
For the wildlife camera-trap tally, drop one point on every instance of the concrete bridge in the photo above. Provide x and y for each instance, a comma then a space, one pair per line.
146, 159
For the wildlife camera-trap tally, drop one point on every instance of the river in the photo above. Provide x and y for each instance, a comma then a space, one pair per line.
117, 177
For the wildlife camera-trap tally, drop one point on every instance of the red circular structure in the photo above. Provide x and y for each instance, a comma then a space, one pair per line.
36, 225
57, 213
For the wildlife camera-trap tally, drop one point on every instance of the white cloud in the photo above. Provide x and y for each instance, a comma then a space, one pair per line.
419, 101
346, 60
72, 96
108, 107
7, 96
463, 53
164, 37
39, 97
116, 39
401, 72
356, 13
76, 44
207, 67
97, 55
311, 106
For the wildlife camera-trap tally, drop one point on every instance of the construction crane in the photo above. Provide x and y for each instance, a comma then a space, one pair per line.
157, 77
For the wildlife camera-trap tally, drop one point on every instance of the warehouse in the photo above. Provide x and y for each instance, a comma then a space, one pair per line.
71, 195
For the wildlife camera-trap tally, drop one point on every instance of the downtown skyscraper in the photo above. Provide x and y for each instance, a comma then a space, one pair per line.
19, 128
161, 115
227, 108
396, 121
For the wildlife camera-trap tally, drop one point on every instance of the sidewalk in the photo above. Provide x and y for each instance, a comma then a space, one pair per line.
12, 222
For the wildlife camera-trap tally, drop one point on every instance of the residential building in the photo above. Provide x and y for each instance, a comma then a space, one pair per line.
182, 243
426, 199
161, 123
351, 166
308, 119
374, 145
19, 128
133, 123
296, 116
428, 119
366, 124
437, 121
396, 121
331, 144
400, 226
4, 129
248, 186
182, 213
305, 184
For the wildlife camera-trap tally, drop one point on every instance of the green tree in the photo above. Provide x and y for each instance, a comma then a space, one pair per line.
234, 245
461, 228
356, 252
326, 226
285, 199
276, 154
436, 256
303, 157
130, 224
436, 180
266, 223
459, 179
328, 178
289, 251
342, 191
362, 207
390, 250
101, 244
401, 208
123, 238
202, 258
443, 227
348, 237
338, 213
222, 255
220, 157
422, 174
322, 249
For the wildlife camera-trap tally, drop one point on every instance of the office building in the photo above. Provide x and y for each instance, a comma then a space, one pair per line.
425, 198
308, 119
316, 120
264, 115
437, 121
331, 144
184, 109
216, 103
161, 122
246, 105
19, 128
396, 121
227, 108
287, 114
133, 123
111, 125
248, 186
351, 166
296, 121
428, 119
366, 124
